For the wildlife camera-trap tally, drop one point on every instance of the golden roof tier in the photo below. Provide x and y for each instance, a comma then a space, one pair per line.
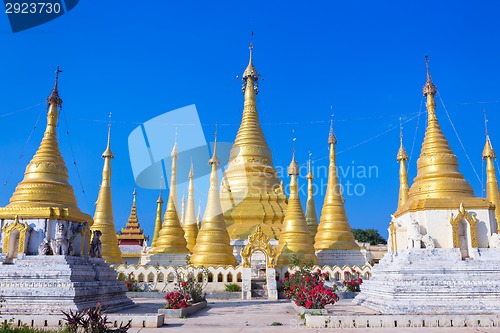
438, 184
334, 231
190, 224
250, 189
103, 216
311, 218
132, 234
171, 236
212, 244
156, 232
491, 179
295, 238
45, 192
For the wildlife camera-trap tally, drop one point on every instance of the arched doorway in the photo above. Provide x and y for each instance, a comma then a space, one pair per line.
15, 239
259, 260
464, 231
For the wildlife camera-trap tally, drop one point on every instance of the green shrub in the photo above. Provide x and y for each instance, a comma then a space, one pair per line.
233, 287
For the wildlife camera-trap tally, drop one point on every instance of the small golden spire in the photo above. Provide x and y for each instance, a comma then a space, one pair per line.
491, 178
334, 231
212, 244
402, 158
250, 175
132, 234
103, 216
295, 238
171, 236
198, 217
158, 223
438, 176
311, 217
190, 224
183, 210
45, 192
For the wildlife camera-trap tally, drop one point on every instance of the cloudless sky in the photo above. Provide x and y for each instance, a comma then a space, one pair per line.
140, 59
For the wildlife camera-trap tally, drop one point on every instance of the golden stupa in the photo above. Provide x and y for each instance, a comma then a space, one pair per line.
103, 216
132, 234
212, 244
44, 192
250, 189
438, 184
402, 158
311, 217
190, 225
156, 232
171, 236
334, 231
491, 179
295, 238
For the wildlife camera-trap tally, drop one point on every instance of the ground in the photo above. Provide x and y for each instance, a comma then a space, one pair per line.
223, 316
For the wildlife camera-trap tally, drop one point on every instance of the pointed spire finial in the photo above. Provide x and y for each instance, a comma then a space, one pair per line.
108, 152
250, 72
331, 137
54, 95
402, 155
485, 122
135, 197
429, 87
214, 159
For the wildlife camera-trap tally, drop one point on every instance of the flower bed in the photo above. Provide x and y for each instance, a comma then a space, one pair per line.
183, 312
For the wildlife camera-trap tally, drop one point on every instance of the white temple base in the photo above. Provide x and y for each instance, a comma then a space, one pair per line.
51, 284
342, 257
434, 281
164, 259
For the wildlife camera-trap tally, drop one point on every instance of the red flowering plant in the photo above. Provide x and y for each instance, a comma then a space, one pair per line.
351, 282
187, 290
129, 281
307, 288
177, 300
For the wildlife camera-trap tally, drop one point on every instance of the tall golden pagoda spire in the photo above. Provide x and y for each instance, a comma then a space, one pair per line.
183, 210
402, 158
103, 216
334, 232
171, 236
159, 202
45, 191
295, 238
438, 184
212, 244
132, 234
250, 192
190, 225
311, 218
491, 179
198, 217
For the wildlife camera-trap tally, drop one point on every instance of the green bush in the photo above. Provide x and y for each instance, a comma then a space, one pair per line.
233, 287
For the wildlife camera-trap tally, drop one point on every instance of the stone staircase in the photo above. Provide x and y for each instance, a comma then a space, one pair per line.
259, 288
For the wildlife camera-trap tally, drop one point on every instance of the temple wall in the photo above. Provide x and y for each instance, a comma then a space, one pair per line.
436, 223
164, 278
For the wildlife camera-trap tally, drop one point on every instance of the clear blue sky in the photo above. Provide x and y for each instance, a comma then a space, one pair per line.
143, 58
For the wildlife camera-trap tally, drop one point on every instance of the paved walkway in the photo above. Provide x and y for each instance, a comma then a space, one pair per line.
223, 316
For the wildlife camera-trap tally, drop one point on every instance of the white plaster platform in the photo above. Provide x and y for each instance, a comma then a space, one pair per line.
434, 282
50, 284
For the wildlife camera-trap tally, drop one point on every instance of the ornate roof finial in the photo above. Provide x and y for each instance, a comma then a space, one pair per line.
108, 152
485, 122
54, 95
402, 155
293, 168
214, 159
429, 87
250, 73
309, 167
331, 137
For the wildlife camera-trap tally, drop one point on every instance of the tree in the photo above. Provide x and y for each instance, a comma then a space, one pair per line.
368, 236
